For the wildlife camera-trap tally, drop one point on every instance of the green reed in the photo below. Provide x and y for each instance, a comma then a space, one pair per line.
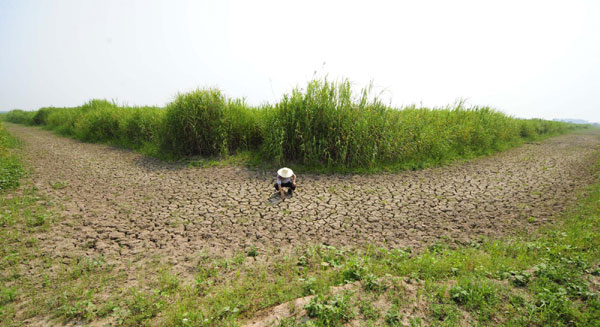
323, 126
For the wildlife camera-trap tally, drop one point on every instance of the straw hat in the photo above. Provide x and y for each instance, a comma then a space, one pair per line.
285, 172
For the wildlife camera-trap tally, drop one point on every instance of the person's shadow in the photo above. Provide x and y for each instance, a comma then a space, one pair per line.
276, 197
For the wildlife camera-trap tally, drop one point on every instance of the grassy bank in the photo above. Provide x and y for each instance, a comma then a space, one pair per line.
322, 127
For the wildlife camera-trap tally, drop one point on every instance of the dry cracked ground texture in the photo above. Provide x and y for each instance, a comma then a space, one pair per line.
123, 205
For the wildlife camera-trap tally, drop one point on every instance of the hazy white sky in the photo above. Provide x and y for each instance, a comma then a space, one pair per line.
525, 58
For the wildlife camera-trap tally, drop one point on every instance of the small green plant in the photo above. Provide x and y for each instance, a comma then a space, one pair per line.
253, 251
368, 311
477, 295
240, 257
372, 283
331, 310
7, 295
415, 322
289, 322
36, 220
393, 317
309, 286
435, 247
168, 283
520, 278
444, 313
141, 307
85, 309
354, 270
302, 261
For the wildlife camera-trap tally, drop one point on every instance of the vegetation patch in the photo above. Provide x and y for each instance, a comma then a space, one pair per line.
332, 310
10, 167
323, 127
545, 278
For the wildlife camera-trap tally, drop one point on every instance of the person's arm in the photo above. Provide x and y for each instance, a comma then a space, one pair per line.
294, 180
280, 188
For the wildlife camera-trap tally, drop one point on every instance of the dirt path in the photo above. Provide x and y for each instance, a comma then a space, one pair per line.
119, 202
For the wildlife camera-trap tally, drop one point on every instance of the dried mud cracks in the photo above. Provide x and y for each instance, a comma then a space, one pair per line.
117, 202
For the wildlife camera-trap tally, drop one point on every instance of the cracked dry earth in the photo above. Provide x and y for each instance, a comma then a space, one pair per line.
121, 204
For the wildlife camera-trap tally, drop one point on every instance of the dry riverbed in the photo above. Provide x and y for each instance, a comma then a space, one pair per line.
125, 206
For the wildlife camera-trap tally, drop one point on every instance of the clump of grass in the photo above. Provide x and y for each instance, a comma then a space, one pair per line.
41, 116
205, 122
327, 125
309, 286
333, 310
371, 283
393, 317
193, 123
141, 126
444, 314
7, 295
368, 311
102, 121
355, 269
324, 125
252, 251
476, 295
19, 116
99, 122
10, 167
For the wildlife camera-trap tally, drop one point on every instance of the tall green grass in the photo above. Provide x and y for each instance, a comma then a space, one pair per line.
326, 125
99, 121
205, 122
19, 116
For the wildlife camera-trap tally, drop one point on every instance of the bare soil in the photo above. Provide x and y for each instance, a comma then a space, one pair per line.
124, 205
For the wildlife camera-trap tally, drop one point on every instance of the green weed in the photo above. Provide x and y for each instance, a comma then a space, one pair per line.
444, 314
141, 307
393, 317
354, 270
477, 295
368, 311
7, 295
309, 286
253, 251
333, 310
